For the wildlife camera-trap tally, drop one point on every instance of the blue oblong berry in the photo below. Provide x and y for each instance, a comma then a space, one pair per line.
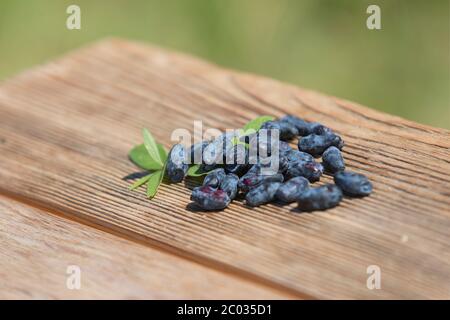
209, 198
284, 147
321, 198
237, 159
255, 177
332, 160
296, 155
288, 157
283, 163
262, 194
315, 144
311, 170
214, 178
176, 167
290, 190
230, 185
353, 184
238, 169
318, 128
288, 131
250, 182
302, 126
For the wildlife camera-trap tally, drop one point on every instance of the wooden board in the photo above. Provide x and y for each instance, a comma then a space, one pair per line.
66, 128
41, 246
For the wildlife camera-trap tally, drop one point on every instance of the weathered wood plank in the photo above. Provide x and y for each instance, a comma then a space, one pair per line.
66, 129
38, 246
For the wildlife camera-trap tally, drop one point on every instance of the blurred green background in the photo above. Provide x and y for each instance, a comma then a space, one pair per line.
403, 69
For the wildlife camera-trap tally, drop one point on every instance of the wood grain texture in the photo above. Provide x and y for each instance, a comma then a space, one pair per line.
37, 247
66, 128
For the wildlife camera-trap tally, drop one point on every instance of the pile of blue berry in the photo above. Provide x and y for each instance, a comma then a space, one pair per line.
297, 169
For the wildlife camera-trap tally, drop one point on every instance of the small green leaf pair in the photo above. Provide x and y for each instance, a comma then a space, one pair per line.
149, 156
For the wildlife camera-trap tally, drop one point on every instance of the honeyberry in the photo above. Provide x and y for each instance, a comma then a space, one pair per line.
230, 185
284, 147
177, 167
289, 157
263, 193
208, 198
303, 127
353, 184
321, 198
332, 160
295, 155
315, 144
255, 177
214, 178
288, 131
237, 159
311, 170
318, 128
269, 125
290, 190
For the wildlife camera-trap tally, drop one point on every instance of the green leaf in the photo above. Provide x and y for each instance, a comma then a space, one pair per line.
153, 183
162, 152
236, 141
196, 171
139, 155
256, 124
140, 182
247, 132
152, 148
